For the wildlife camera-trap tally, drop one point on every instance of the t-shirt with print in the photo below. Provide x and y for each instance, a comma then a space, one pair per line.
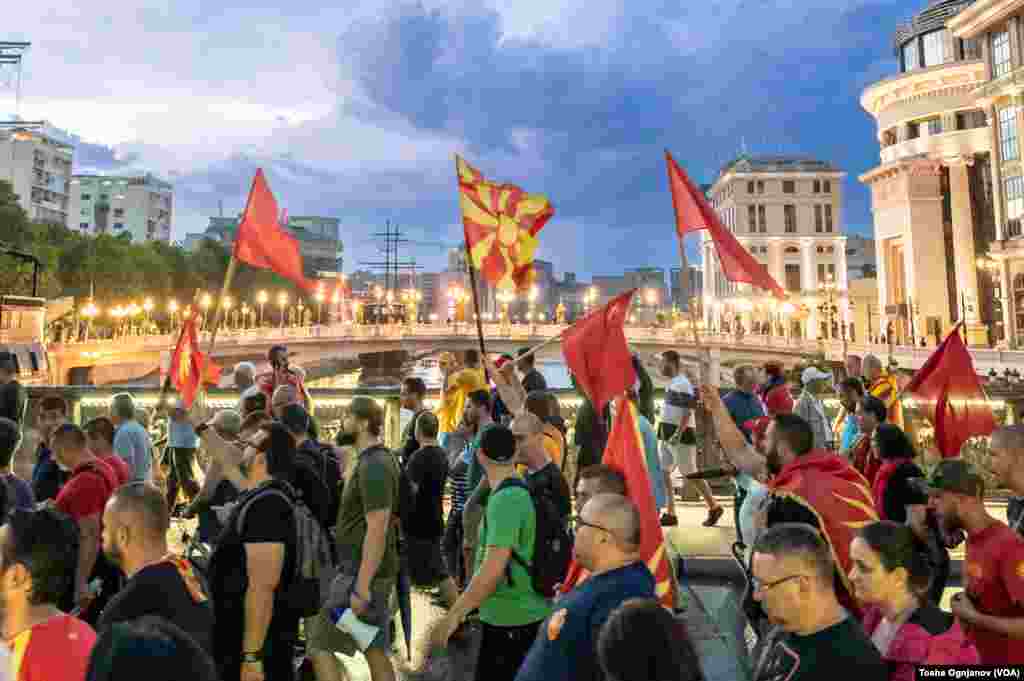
675, 410
510, 522
994, 568
56, 649
427, 469
565, 649
841, 649
373, 485
160, 590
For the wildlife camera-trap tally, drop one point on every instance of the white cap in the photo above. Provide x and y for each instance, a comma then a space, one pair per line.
245, 366
814, 374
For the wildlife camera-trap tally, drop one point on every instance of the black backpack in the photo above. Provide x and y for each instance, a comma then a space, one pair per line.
552, 547
318, 478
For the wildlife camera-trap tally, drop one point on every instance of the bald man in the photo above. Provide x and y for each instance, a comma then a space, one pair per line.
135, 524
608, 546
1006, 451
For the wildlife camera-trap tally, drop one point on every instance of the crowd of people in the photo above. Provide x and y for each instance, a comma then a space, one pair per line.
485, 501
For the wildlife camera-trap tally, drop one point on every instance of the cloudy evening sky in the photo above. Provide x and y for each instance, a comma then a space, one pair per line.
355, 109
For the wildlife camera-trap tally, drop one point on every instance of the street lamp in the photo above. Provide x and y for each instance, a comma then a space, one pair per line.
301, 321
147, 307
205, 302
89, 312
282, 301
590, 298
172, 309
225, 305
245, 315
320, 305
261, 298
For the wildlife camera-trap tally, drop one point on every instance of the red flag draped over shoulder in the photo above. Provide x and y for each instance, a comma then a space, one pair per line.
625, 453
952, 395
693, 213
190, 368
597, 354
262, 241
837, 495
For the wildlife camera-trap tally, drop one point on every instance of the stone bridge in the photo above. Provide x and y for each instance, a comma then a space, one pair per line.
327, 350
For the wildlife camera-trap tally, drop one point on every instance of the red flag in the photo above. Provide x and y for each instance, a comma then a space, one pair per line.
625, 453
597, 354
952, 393
262, 241
693, 213
190, 368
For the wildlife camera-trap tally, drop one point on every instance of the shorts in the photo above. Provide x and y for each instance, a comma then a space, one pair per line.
675, 455
323, 635
423, 562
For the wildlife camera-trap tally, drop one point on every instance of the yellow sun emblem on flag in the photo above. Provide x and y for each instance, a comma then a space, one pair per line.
184, 364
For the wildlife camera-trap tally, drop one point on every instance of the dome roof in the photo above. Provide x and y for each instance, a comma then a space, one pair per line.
931, 18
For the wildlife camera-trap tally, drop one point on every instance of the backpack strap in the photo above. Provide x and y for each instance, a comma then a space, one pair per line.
509, 483
244, 508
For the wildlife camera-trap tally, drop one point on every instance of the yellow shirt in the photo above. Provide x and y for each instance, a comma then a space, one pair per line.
453, 400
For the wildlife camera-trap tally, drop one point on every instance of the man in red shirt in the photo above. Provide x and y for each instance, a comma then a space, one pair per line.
38, 550
282, 374
83, 497
99, 434
992, 606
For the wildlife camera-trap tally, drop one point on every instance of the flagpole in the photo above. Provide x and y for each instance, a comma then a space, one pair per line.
472, 283
229, 275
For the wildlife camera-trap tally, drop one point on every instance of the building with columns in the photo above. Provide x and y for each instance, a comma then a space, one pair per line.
788, 213
932, 193
996, 27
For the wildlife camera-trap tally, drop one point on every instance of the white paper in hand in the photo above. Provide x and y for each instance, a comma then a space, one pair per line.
360, 631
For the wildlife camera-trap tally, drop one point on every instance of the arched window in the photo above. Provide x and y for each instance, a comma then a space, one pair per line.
792, 250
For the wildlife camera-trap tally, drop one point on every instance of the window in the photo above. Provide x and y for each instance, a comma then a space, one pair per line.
83, 225
788, 187
760, 187
828, 186
828, 218
793, 278
789, 211
910, 61
84, 211
119, 212
817, 186
913, 131
762, 218
1000, 54
934, 126
87, 197
969, 120
750, 187
792, 250
970, 49
118, 225
752, 218
1014, 204
934, 45
826, 272
830, 249
1008, 133
104, 197
819, 224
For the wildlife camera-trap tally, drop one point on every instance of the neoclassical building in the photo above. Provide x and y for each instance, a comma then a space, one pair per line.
788, 213
932, 193
997, 27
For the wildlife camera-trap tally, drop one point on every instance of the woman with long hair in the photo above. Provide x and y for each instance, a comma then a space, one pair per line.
891, 576
891, 489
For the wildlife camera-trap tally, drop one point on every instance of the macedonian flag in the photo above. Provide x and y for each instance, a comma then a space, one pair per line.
501, 224
190, 368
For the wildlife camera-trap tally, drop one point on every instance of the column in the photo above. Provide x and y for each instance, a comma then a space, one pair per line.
995, 164
708, 292
842, 275
1009, 322
965, 269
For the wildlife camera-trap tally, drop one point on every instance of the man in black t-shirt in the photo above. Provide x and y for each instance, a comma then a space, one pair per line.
254, 564
814, 637
423, 522
135, 525
412, 395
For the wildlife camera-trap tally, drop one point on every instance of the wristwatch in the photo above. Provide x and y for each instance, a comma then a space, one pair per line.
252, 658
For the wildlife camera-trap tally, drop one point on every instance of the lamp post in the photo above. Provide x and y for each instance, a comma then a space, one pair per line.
172, 309
301, 318
336, 302
282, 301
225, 305
204, 303
651, 297
828, 306
246, 310
320, 306
89, 312
147, 307
134, 310
261, 299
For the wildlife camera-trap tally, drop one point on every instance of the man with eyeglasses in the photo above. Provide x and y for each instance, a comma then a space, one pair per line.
607, 545
813, 635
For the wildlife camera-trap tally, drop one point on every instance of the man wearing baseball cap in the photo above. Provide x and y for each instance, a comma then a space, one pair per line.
992, 604
810, 407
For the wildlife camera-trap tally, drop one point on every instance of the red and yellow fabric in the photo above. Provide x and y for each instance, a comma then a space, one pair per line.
864, 459
837, 495
453, 398
190, 369
57, 648
886, 389
501, 224
625, 453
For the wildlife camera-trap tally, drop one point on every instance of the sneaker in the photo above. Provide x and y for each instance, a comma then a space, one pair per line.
669, 520
713, 516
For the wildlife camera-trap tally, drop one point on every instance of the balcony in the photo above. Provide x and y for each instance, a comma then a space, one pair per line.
953, 144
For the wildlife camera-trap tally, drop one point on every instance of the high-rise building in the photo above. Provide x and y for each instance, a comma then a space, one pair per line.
36, 159
318, 237
139, 205
992, 30
787, 212
931, 195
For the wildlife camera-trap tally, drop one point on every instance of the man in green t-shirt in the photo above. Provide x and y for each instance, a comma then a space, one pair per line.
367, 539
510, 610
